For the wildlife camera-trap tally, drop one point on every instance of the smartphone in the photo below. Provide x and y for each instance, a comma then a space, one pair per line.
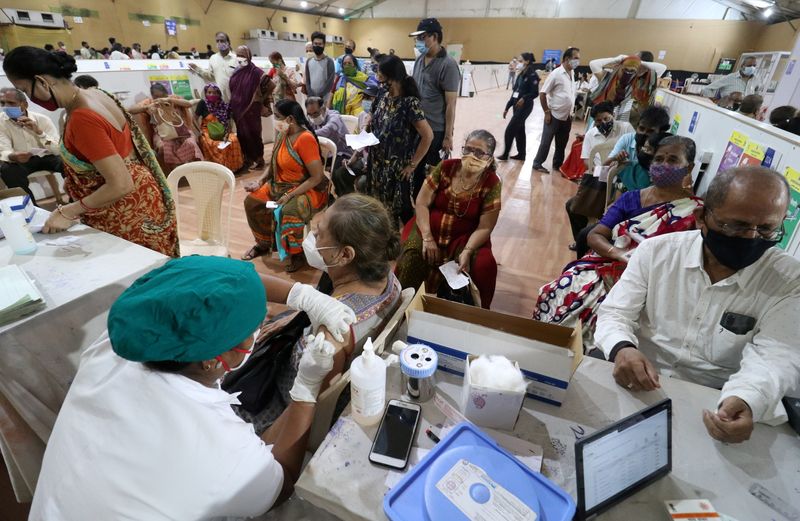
392, 444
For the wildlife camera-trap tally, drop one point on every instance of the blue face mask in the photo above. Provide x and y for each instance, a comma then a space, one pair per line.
421, 47
366, 105
13, 112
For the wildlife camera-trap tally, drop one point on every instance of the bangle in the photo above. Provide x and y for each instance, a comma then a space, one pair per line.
428, 240
86, 208
608, 252
61, 212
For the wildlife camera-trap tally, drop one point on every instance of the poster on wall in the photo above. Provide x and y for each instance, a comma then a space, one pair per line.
693, 122
177, 84
555, 54
733, 151
793, 176
676, 123
171, 26
754, 154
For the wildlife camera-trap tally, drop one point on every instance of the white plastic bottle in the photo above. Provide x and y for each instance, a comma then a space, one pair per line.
368, 386
16, 231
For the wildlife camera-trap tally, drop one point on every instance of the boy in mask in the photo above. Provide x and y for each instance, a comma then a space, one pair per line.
222, 65
652, 121
320, 72
716, 306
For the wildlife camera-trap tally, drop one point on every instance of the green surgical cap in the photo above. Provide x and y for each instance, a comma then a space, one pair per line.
188, 310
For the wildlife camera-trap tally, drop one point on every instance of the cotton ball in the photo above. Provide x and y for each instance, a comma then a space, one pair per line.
496, 372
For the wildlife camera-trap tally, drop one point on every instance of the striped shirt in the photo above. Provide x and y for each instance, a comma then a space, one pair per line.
732, 83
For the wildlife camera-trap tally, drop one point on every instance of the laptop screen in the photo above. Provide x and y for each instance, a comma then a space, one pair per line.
617, 461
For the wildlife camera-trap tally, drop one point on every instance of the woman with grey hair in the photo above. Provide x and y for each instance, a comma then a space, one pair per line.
456, 211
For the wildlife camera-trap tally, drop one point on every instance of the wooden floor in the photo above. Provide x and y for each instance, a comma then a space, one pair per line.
529, 242
532, 234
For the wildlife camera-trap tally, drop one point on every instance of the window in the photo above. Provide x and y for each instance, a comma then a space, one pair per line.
324, 25
47, 18
24, 15
284, 19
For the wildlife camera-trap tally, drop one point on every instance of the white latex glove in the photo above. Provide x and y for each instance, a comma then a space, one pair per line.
322, 310
315, 364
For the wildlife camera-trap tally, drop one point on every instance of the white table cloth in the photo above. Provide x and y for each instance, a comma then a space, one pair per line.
39, 353
340, 479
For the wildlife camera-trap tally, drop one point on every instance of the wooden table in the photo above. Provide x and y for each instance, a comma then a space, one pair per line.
340, 479
39, 353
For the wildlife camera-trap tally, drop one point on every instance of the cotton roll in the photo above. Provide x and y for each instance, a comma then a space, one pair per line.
496, 372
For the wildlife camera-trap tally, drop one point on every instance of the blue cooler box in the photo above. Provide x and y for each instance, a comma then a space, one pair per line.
469, 473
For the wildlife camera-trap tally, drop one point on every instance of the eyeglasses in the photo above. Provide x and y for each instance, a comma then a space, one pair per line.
737, 230
477, 152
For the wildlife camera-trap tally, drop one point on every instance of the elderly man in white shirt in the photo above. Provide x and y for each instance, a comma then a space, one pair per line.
222, 65
28, 141
145, 431
717, 306
557, 97
742, 81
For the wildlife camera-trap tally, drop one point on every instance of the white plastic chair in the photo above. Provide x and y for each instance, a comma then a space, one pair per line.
207, 182
329, 152
326, 401
351, 122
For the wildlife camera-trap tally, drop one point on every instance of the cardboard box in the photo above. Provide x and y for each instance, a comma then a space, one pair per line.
547, 354
22, 203
489, 407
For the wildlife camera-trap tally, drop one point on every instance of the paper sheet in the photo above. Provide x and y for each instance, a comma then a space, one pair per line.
224, 145
39, 151
349, 170
272, 205
363, 140
455, 279
18, 295
66, 240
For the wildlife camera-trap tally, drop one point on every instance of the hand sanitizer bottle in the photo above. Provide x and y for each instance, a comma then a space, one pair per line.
16, 230
368, 386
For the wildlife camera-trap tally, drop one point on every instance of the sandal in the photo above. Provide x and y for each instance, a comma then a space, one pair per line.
258, 165
573, 246
256, 251
295, 263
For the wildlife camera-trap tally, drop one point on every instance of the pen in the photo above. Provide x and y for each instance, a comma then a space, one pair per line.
434, 438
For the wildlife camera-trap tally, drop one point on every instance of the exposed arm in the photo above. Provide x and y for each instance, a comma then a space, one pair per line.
482, 233
599, 240
289, 439
426, 137
658, 68
423, 212
277, 288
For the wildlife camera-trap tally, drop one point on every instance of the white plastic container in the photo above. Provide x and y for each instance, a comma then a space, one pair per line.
368, 386
16, 230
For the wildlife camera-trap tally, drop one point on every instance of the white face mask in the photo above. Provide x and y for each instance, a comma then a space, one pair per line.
242, 62
318, 120
573, 64
281, 126
246, 355
749, 70
313, 256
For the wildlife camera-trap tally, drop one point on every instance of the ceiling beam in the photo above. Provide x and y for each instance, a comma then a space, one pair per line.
634, 10
278, 6
361, 10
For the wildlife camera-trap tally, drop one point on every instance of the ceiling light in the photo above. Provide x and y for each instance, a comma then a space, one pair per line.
341, 10
760, 4
303, 4
767, 12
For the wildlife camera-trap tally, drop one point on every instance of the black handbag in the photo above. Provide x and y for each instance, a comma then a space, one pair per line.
590, 200
257, 380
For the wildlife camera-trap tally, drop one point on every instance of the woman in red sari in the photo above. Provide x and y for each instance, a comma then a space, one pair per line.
456, 211
111, 172
251, 98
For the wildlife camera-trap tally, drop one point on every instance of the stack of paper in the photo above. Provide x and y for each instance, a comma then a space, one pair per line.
18, 294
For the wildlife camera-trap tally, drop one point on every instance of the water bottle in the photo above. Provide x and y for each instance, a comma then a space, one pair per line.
16, 230
368, 386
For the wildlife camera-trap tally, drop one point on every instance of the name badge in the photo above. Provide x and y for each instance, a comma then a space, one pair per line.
515, 95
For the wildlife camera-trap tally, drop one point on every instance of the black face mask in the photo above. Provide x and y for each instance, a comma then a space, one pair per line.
605, 127
348, 50
735, 107
735, 253
318, 49
640, 139
644, 159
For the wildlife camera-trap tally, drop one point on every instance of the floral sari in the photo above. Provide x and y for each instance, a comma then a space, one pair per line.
145, 216
576, 295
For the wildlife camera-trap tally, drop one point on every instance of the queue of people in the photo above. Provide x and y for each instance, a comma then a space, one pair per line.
398, 210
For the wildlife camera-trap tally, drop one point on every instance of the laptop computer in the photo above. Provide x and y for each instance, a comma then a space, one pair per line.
616, 462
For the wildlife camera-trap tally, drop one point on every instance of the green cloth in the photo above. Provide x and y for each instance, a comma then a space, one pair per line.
189, 310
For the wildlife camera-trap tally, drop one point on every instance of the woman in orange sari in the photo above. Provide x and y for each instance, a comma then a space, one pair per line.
215, 122
111, 172
291, 187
